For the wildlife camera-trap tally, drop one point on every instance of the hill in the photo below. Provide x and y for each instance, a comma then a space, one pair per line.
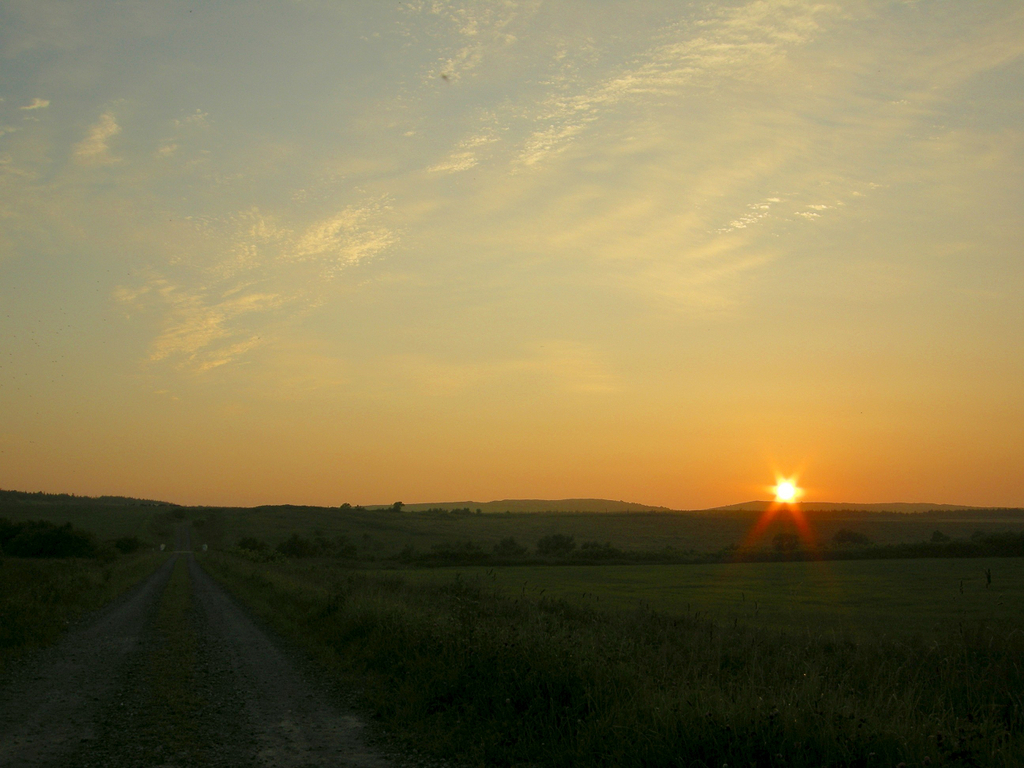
540, 505
70, 499
892, 508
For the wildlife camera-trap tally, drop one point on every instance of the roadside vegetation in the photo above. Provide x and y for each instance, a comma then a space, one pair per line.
457, 670
562, 549
51, 574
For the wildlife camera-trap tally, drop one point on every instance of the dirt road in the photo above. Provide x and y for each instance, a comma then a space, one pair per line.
173, 674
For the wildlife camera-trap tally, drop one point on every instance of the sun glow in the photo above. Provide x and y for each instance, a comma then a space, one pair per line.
784, 510
786, 492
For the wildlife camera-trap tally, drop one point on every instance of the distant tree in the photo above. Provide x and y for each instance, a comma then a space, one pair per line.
509, 547
556, 544
253, 544
939, 538
346, 507
785, 542
397, 506
846, 536
40, 538
595, 550
297, 546
127, 544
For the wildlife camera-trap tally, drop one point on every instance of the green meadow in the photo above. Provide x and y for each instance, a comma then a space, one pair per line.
764, 664
551, 663
892, 596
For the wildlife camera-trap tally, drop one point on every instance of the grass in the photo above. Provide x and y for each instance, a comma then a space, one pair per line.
461, 668
107, 522
381, 534
39, 599
853, 596
175, 715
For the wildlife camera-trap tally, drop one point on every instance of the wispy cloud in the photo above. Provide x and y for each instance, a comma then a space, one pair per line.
480, 28
36, 104
737, 43
262, 273
465, 154
94, 149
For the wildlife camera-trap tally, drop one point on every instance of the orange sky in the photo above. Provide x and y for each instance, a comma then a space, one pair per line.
315, 253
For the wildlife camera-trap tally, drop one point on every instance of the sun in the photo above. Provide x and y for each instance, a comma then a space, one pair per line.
786, 491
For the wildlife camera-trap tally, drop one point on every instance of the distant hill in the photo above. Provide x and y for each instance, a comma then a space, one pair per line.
540, 505
527, 506
40, 498
897, 507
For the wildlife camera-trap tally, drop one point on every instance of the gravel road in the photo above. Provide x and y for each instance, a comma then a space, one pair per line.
173, 674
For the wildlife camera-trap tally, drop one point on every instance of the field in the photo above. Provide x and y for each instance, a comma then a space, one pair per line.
39, 599
852, 596
861, 665
801, 663
380, 533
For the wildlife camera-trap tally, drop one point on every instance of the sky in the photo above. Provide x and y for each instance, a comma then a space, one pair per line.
311, 252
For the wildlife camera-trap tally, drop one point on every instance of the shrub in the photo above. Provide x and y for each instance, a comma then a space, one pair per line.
40, 538
846, 536
556, 544
594, 550
297, 546
253, 544
126, 545
509, 547
786, 542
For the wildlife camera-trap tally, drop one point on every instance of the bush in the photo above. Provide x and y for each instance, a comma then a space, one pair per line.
509, 547
126, 545
297, 546
252, 544
846, 536
786, 542
593, 550
556, 544
40, 538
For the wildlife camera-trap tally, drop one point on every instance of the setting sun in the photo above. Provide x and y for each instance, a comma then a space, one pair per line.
786, 491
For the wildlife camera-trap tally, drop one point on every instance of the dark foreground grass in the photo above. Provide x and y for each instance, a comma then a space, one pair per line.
456, 672
40, 598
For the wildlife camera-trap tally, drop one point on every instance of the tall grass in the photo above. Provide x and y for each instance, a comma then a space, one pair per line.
455, 671
39, 599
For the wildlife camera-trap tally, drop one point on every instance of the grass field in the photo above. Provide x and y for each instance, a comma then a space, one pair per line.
39, 599
891, 596
493, 668
379, 533
154, 525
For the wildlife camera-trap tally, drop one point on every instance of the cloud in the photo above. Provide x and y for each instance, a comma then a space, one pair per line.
480, 28
197, 322
195, 120
37, 104
94, 149
738, 43
343, 239
261, 274
465, 155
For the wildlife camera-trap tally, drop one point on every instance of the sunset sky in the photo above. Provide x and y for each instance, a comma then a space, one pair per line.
317, 252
